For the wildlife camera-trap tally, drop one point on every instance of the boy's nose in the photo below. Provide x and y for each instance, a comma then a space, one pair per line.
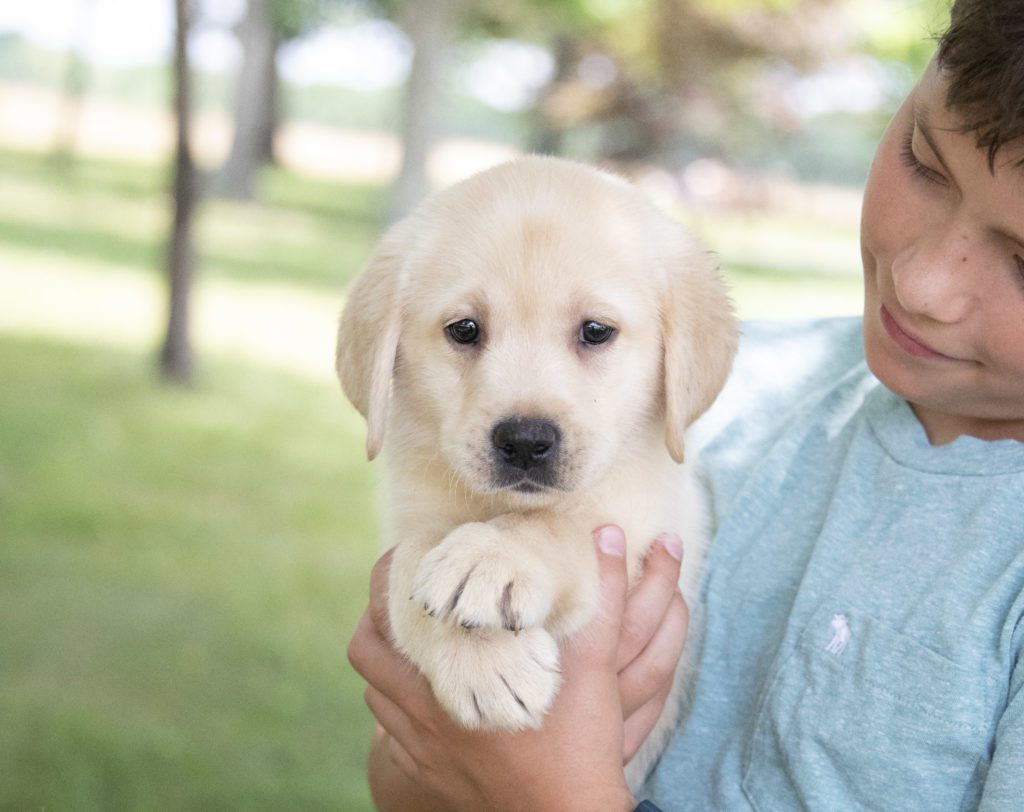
937, 278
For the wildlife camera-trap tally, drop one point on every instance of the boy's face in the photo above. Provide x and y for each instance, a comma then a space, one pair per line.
942, 240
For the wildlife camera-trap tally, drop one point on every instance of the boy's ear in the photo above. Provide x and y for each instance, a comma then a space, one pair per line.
369, 332
699, 335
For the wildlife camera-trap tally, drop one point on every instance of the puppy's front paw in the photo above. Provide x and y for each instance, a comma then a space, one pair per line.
496, 680
478, 578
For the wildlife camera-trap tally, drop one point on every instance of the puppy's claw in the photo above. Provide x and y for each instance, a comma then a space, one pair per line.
458, 593
510, 620
515, 696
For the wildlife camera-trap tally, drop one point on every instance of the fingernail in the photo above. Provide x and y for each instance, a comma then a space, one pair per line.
611, 540
673, 545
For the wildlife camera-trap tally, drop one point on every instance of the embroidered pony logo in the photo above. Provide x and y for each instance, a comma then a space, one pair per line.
840, 635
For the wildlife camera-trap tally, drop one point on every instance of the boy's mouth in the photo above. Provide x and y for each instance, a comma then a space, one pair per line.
907, 342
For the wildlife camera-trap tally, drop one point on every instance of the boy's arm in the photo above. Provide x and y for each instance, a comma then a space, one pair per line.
1004, 785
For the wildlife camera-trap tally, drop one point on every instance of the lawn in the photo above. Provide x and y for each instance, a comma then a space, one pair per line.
180, 569
179, 573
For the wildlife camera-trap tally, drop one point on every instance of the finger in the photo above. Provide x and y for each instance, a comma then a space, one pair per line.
392, 719
639, 725
405, 762
648, 601
600, 639
385, 669
385, 742
379, 581
655, 666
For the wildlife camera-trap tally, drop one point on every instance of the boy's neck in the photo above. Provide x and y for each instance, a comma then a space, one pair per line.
943, 428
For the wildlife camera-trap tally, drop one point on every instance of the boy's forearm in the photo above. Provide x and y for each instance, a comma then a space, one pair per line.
392, 790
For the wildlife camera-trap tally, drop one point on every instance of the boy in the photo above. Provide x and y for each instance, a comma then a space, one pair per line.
865, 589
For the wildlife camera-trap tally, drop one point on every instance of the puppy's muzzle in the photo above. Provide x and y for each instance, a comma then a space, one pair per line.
525, 452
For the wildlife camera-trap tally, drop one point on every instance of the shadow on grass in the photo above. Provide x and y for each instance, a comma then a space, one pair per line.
303, 230
87, 244
330, 200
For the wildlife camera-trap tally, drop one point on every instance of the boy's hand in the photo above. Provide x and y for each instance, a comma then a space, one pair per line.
575, 760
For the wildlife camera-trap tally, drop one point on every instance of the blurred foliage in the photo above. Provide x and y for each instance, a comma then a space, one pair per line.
684, 79
292, 18
662, 81
902, 32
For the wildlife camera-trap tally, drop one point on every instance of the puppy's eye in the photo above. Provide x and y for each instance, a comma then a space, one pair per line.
593, 332
464, 331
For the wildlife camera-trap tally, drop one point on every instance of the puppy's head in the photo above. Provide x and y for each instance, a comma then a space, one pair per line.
533, 325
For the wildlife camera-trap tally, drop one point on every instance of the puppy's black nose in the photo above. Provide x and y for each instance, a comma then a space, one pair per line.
525, 443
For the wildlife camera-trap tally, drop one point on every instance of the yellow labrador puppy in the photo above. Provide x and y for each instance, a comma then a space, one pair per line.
533, 343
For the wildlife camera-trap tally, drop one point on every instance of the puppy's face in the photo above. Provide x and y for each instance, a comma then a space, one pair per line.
534, 343
533, 326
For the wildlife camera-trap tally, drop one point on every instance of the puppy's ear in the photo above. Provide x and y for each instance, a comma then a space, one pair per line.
700, 337
368, 334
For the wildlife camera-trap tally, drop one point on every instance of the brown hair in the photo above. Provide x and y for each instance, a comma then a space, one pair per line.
982, 54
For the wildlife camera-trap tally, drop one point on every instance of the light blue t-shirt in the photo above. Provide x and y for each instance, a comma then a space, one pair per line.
864, 598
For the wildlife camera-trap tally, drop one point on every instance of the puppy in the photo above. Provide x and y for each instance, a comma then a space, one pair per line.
533, 342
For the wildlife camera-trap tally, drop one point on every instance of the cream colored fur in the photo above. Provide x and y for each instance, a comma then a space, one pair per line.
486, 581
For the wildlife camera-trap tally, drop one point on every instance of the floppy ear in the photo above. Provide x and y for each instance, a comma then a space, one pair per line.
700, 337
368, 335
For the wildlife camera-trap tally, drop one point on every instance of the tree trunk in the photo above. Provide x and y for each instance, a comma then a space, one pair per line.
76, 81
270, 113
176, 360
430, 24
255, 102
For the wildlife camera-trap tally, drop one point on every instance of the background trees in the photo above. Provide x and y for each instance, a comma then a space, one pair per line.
656, 83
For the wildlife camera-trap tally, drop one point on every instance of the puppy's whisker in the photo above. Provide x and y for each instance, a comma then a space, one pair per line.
452, 480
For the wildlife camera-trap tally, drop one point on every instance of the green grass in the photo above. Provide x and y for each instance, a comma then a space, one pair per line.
180, 569
179, 572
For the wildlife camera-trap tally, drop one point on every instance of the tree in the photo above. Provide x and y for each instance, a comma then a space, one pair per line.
431, 25
256, 96
263, 29
76, 80
176, 358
